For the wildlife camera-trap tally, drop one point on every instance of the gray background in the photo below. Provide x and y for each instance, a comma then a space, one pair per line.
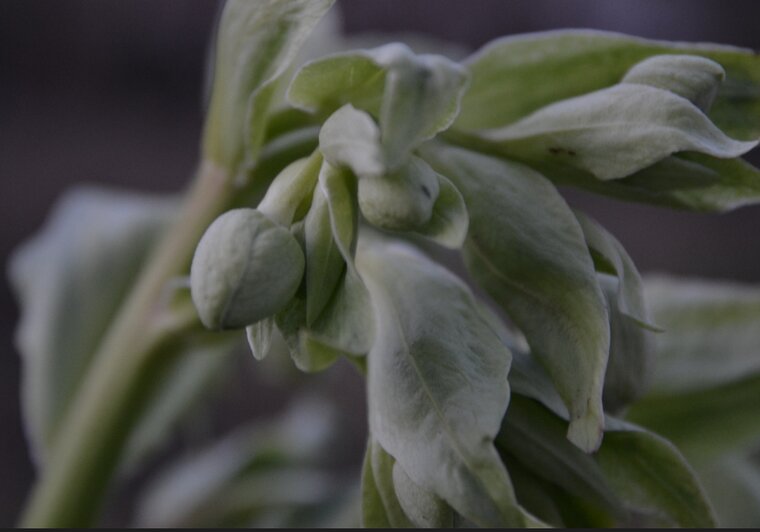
109, 92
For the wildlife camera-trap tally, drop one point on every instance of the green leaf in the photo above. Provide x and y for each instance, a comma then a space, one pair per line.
733, 486
652, 477
437, 382
382, 466
350, 138
449, 221
632, 355
256, 43
421, 98
413, 96
345, 327
635, 478
424, 509
689, 181
70, 280
514, 76
630, 299
259, 336
374, 514
707, 378
695, 78
536, 439
614, 132
339, 188
324, 262
711, 333
289, 195
526, 249
237, 480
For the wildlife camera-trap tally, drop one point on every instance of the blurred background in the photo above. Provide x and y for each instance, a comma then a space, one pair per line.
109, 92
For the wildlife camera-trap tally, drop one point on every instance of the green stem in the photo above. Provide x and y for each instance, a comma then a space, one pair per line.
132, 355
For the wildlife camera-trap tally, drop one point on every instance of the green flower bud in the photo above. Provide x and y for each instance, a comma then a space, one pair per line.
401, 201
245, 268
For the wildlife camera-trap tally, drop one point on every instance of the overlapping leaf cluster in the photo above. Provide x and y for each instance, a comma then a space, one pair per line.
359, 156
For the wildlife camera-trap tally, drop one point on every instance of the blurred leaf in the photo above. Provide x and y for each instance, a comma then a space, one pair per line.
733, 485
712, 332
242, 478
614, 132
437, 382
70, 280
526, 249
513, 76
450, 221
256, 42
692, 77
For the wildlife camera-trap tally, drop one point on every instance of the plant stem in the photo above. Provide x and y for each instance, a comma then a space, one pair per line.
130, 358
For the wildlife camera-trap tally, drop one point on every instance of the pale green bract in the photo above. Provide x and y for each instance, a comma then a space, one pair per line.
526, 249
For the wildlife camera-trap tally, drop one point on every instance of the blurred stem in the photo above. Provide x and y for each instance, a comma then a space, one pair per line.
129, 361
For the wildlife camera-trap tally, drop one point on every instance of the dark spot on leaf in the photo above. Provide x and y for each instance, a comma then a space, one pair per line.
425, 191
555, 151
571, 152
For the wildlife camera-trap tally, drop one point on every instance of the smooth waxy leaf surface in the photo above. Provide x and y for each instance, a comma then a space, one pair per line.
437, 382
615, 132
515, 76
526, 249
256, 43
